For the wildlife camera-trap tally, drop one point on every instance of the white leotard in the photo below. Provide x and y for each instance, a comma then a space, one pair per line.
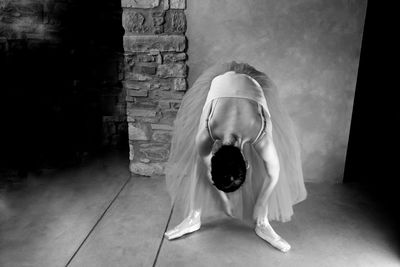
232, 84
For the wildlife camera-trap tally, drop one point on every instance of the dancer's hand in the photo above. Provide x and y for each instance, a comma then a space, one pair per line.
226, 203
228, 208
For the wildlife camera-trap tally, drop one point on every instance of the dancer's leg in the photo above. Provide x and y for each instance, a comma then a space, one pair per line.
266, 149
192, 222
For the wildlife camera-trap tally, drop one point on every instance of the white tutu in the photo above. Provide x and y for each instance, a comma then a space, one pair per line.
185, 182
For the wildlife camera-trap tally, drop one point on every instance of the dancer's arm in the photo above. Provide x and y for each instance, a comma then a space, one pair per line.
204, 145
204, 142
267, 151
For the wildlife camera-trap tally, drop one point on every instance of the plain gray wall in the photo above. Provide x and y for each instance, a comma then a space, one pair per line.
309, 48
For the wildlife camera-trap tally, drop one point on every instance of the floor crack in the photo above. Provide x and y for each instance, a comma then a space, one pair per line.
162, 238
98, 221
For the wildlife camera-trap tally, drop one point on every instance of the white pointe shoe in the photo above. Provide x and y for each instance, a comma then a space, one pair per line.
275, 241
189, 225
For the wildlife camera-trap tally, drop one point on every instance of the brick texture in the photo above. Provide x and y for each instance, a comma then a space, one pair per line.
155, 78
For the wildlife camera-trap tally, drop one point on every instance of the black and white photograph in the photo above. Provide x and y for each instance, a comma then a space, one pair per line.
198, 133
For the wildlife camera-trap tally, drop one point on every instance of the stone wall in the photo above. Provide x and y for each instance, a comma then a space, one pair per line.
155, 78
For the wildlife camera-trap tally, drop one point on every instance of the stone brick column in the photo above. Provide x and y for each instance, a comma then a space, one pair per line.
155, 78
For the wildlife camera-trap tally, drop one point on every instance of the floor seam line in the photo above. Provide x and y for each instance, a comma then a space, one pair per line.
98, 220
162, 238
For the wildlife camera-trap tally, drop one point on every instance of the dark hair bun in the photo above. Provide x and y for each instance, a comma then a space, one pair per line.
228, 168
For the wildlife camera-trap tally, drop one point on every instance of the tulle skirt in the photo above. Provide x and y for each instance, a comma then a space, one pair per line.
186, 178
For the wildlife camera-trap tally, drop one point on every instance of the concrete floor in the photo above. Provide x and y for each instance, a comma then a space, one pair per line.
97, 215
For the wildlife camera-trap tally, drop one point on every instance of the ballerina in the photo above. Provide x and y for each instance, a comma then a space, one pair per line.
234, 153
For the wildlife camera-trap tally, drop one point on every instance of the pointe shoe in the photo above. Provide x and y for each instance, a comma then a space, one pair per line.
180, 231
278, 242
191, 224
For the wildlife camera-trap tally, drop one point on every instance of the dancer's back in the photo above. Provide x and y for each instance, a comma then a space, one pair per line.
236, 106
236, 116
